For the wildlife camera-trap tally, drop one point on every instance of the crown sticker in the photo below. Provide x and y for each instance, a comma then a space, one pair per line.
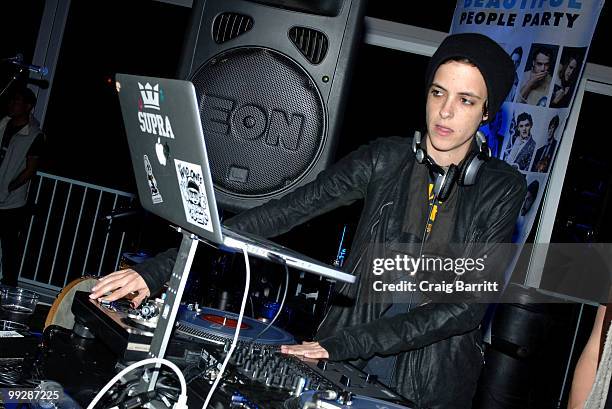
150, 95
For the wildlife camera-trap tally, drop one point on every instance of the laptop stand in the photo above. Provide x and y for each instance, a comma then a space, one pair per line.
174, 294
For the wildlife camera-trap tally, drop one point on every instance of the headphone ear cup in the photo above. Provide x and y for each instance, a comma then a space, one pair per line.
446, 183
465, 167
470, 168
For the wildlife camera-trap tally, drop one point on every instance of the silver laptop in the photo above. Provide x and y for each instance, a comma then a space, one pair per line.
168, 150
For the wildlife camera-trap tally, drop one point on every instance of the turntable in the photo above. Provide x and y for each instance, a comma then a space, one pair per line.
126, 331
129, 331
218, 327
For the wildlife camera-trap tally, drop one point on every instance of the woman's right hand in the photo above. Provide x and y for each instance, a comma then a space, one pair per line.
119, 284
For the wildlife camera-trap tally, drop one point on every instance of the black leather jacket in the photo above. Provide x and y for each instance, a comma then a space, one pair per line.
438, 344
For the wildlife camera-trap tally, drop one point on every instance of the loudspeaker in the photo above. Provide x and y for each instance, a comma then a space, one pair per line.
271, 78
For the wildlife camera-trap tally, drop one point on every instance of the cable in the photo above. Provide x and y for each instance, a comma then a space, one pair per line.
280, 309
182, 401
247, 285
252, 307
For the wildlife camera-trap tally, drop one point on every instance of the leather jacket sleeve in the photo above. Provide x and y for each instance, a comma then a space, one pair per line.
341, 184
433, 322
157, 270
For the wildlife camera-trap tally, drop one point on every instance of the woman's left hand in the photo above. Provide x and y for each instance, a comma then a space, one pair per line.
307, 350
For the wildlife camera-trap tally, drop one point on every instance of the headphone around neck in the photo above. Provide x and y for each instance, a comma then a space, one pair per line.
465, 174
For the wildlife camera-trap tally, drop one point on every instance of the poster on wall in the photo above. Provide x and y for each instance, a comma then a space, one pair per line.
548, 42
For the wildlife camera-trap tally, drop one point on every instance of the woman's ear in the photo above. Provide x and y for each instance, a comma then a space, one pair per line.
485, 112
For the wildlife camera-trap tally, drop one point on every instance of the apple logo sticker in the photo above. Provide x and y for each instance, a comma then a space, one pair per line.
162, 151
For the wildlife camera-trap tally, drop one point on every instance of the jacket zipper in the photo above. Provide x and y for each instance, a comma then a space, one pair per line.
360, 255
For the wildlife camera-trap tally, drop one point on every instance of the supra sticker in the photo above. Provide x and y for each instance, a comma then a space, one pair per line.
193, 194
155, 195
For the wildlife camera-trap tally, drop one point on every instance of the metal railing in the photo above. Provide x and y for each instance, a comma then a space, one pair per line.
70, 232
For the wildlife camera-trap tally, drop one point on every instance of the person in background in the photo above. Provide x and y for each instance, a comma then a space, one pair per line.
21, 145
591, 381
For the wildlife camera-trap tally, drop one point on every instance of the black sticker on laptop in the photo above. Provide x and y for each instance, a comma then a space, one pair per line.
193, 194
155, 194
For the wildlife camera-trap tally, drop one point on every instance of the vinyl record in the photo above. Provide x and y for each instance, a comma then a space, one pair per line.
218, 326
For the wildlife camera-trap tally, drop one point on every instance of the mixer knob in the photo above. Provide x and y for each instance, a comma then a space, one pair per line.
322, 365
239, 360
299, 386
371, 378
149, 310
345, 381
345, 398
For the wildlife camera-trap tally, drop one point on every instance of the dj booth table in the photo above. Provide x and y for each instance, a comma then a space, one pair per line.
107, 337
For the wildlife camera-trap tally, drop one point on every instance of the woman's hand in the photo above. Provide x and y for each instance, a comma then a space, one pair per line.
119, 284
307, 350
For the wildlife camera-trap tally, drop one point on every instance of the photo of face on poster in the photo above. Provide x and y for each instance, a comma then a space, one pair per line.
516, 54
566, 76
547, 142
536, 184
535, 84
520, 142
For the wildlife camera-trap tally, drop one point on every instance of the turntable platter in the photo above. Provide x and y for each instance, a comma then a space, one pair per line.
217, 326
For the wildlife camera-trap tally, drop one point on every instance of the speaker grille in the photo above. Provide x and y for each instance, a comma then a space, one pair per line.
228, 26
263, 118
312, 43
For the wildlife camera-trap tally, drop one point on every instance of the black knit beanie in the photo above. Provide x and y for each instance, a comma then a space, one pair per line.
494, 64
